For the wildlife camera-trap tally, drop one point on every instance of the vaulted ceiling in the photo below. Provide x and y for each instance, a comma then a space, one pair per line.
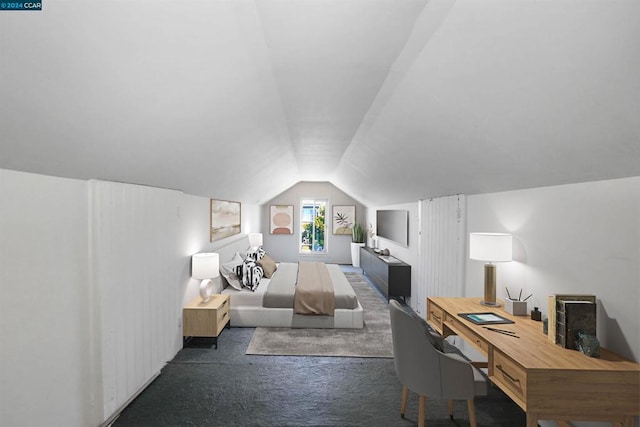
390, 100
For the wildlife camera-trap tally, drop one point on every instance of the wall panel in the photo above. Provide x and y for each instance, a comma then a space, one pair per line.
135, 273
441, 260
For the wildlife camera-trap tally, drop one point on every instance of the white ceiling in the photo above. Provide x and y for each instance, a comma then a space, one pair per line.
390, 100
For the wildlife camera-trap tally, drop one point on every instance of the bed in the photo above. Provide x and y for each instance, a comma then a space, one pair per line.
271, 303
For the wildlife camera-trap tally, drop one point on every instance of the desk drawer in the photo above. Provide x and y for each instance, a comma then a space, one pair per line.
435, 316
461, 329
509, 375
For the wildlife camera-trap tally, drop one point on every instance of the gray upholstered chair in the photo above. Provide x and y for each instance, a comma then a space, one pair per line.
427, 371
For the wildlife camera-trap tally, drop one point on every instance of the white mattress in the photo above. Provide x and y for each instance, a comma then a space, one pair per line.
245, 297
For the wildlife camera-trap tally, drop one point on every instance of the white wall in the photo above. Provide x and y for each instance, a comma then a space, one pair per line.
51, 348
194, 238
134, 232
285, 247
47, 364
581, 238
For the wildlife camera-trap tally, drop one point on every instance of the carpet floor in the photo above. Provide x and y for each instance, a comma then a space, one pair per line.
203, 386
374, 340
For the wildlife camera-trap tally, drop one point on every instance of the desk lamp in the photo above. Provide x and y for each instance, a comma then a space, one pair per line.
255, 240
490, 247
204, 266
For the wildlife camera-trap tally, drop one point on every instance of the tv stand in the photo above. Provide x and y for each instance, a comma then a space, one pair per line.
393, 280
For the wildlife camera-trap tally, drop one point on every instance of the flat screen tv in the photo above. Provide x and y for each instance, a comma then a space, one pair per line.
393, 225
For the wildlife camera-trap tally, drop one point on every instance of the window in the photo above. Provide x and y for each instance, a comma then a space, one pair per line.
312, 226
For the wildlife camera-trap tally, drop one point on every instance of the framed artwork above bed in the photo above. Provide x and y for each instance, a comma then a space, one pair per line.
343, 219
225, 219
281, 219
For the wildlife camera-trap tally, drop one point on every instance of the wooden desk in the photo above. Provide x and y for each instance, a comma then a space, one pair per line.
547, 381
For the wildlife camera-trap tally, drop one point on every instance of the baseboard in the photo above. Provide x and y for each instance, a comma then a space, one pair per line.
118, 411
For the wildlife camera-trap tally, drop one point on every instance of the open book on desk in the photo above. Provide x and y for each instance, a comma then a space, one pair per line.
389, 259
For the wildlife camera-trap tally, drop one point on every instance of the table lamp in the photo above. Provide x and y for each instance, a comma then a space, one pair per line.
255, 240
490, 247
204, 266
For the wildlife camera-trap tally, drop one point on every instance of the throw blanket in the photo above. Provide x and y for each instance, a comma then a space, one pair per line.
314, 290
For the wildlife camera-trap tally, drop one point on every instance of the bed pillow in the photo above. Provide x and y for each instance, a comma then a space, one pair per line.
229, 272
255, 254
251, 274
268, 265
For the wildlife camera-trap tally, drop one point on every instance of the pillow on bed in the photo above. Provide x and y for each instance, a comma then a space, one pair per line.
251, 274
228, 271
255, 254
268, 265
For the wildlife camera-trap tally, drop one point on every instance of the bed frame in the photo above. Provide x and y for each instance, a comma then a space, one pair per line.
285, 318
251, 316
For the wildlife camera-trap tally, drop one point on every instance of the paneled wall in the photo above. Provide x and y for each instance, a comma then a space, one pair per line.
93, 276
134, 270
441, 249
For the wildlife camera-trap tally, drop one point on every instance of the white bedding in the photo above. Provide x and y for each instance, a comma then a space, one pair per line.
247, 311
245, 297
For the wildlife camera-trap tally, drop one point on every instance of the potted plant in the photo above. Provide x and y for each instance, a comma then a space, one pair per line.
358, 236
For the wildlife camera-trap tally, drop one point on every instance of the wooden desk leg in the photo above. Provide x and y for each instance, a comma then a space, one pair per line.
532, 419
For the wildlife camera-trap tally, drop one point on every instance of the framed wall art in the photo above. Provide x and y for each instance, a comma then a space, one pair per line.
281, 219
225, 219
343, 218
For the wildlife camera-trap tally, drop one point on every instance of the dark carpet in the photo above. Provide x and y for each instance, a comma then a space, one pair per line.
207, 387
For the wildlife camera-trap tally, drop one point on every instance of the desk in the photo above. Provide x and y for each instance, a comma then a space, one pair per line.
547, 381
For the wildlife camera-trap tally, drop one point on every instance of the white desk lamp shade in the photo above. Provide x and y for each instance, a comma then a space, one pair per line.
255, 240
491, 247
205, 266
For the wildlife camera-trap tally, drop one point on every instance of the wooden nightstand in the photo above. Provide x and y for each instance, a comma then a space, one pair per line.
206, 319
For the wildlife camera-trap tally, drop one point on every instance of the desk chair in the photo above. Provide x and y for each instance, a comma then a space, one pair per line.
425, 370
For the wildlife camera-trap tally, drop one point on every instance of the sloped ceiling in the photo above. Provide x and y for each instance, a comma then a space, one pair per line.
390, 100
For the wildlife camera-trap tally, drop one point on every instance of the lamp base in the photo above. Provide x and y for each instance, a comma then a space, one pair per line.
490, 304
206, 289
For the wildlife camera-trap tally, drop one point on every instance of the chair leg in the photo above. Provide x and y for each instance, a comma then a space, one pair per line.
421, 411
472, 413
405, 396
451, 409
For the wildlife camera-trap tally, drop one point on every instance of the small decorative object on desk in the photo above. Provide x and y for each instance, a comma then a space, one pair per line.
588, 344
536, 314
515, 307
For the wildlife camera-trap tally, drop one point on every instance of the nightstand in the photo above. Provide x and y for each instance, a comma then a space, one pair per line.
206, 319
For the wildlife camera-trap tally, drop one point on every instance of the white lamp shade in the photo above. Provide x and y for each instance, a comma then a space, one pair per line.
255, 239
492, 247
205, 265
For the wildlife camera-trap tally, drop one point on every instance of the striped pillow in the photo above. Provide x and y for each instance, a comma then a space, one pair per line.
251, 274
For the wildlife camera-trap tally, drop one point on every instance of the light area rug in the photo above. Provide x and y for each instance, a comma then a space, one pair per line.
374, 340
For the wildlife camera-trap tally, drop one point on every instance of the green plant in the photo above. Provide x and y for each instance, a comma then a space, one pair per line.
358, 233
